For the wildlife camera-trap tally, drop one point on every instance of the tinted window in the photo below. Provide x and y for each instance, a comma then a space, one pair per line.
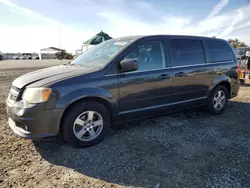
219, 51
150, 55
187, 52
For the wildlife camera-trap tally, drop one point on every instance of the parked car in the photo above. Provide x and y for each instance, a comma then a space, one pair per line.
122, 80
26, 56
63, 55
35, 57
244, 67
16, 57
241, 51
1, 57
29, 57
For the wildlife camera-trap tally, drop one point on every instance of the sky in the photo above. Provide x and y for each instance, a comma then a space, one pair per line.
30, 25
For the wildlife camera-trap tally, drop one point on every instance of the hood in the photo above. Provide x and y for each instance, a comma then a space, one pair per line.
48, 75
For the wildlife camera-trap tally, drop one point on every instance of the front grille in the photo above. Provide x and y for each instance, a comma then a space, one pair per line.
13, 97
14, 93
15, 88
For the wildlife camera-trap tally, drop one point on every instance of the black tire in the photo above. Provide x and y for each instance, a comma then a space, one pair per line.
242, 82
71, 116
211, 106
60, 57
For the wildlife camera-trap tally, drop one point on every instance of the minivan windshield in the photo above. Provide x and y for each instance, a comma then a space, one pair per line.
98, 56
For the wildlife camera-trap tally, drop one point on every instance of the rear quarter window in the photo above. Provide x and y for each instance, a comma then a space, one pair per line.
219, 51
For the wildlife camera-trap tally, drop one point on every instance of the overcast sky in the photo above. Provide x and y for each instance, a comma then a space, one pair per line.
29, 25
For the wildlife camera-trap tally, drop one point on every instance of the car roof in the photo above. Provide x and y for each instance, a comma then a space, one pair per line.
178, 36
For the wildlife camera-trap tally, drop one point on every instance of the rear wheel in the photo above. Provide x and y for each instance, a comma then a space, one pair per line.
85, 124
218, 100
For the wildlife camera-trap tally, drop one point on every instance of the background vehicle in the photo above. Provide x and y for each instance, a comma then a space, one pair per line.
63, 55
241, 52
16, 57
244, 67
1, 57
26, 56
122, 80
35, 57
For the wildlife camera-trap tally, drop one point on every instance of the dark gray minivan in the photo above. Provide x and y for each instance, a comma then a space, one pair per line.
120, 80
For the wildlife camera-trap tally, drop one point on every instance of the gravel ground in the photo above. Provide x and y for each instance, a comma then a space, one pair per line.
21, 64
185, 149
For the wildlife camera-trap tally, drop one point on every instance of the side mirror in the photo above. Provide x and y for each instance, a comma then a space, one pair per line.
128, 65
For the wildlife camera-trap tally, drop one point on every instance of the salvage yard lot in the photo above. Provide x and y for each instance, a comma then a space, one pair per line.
184, 149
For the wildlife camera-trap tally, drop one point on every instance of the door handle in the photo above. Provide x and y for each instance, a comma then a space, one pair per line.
164, 76
180, 74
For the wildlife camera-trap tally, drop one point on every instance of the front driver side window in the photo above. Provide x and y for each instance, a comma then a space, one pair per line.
150, 55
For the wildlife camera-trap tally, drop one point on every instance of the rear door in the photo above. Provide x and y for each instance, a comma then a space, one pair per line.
191, 75
149, 87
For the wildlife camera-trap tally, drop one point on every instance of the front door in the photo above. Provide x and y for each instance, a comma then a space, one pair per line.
191, 75
149, 87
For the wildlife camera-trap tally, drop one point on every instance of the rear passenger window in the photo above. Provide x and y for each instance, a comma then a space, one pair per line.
187, 52
219, 51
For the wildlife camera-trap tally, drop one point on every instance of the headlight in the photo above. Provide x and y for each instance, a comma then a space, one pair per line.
36, 95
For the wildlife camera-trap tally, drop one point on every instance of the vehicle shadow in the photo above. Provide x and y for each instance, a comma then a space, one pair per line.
245, 85
181, 149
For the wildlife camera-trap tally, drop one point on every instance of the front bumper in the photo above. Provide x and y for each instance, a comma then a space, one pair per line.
33, 121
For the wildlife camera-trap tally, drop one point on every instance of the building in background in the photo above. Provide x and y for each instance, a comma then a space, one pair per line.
49, 53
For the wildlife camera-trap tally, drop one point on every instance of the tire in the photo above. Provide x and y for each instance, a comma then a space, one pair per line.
242, 81
83, 110
214, 99
60, 57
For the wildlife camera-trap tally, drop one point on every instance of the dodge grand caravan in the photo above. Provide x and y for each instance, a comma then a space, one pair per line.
120, 80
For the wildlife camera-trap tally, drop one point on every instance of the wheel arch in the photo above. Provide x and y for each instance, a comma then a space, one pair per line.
100, 95
97, 99
224, 83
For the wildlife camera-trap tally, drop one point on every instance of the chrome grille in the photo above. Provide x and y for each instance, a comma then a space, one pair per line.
14, 93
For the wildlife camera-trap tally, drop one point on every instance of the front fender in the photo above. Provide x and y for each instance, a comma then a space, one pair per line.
75, 95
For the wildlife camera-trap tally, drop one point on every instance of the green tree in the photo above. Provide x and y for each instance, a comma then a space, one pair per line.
236, 43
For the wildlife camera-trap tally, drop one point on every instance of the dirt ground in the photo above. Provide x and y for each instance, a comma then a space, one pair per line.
185, 149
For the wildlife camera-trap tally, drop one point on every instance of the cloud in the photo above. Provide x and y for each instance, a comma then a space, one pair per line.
32, 38
121, 25
238, 17
23, 10
217, 8
215, 24
119, 18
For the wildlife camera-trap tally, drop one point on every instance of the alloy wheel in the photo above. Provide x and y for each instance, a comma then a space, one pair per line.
88, 125
219, 100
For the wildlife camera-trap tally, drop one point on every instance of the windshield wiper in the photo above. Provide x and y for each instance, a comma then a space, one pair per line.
76, 65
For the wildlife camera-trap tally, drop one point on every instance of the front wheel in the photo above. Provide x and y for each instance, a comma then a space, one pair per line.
218, 100
85, 124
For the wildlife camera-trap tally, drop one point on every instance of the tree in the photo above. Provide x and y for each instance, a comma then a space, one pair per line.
236, 43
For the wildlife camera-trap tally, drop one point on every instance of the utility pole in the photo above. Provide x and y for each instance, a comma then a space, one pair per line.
59, 32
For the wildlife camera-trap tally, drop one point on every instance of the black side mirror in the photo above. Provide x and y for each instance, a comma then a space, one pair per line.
128, 65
